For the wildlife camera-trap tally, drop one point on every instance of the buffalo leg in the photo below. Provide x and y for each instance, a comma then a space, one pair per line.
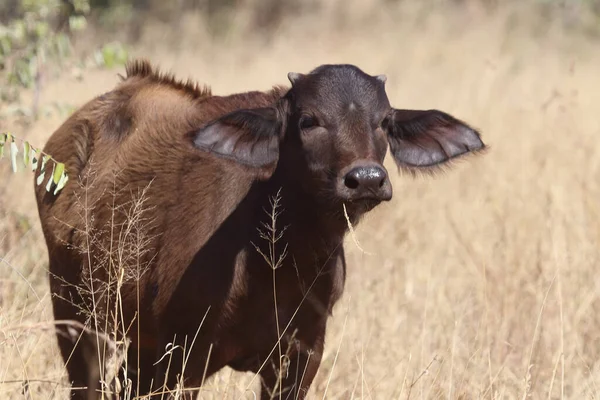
76, 345
170, 375
299, 369
139, 375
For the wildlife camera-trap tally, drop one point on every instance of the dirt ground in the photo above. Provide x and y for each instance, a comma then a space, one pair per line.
483, 281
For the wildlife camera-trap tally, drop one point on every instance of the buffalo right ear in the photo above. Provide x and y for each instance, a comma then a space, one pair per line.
421, 139
249, 137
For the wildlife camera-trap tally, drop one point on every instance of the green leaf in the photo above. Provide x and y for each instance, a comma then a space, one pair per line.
45, 159
34, 158
14, 150
108, 55
113, 54
40, 177
50, 180
41, 29
58, 172
19, 30
77, 22
5, 45
82, 6
62, 45
2, 141
26, 153
61, 183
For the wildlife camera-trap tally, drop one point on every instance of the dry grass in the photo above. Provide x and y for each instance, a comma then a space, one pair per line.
479, 283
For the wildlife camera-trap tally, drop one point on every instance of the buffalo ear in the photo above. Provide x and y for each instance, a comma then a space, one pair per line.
249, 137
430, 138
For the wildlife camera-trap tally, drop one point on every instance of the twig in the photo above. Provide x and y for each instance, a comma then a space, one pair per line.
353, 234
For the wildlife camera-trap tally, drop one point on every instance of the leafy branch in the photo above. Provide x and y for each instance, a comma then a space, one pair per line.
31, 158
37, 44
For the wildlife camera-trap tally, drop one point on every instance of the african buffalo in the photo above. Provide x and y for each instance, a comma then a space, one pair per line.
207, 226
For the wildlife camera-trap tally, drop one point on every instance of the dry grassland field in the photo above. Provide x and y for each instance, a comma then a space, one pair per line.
479, 283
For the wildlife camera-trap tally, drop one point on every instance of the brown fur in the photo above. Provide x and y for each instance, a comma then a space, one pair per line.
143, 69
183, 226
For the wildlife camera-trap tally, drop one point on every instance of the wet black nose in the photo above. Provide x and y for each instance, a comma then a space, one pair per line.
369, 179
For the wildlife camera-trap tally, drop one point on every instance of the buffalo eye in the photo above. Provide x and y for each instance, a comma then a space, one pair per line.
307, 122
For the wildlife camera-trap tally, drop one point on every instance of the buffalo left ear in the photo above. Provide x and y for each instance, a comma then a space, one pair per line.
421, 139
249, 137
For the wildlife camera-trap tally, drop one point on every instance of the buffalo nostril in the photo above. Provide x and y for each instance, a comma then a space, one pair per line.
381, 182
351, 182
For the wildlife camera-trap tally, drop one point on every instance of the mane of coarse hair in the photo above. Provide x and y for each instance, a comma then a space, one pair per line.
142, 68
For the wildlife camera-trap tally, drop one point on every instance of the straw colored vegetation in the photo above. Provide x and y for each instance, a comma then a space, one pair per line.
481, 282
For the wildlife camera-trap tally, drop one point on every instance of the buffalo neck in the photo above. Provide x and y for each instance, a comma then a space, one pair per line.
313, 232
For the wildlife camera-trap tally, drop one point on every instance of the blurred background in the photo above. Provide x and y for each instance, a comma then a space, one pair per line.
479, 283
